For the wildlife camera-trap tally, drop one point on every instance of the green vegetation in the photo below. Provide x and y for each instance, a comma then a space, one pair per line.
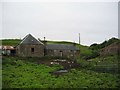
19, 73
101, 64
12, 42
94, 50
96, 46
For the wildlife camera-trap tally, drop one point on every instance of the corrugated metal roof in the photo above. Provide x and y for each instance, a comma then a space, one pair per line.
7, 47
61, 47
29, 39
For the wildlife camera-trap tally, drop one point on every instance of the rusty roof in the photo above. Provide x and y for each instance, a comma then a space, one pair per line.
7, 47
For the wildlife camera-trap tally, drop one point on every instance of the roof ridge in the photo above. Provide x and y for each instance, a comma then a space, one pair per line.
24, 38
29, 39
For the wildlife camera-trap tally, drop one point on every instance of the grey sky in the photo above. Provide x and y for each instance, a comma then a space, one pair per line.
95, 21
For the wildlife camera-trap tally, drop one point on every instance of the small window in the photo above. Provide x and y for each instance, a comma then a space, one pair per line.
60, 51
32, 50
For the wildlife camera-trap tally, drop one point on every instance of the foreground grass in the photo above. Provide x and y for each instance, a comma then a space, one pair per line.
103, 64
18, 73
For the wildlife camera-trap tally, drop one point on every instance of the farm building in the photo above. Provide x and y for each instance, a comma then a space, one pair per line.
61, 50
31, 47
7, 50
112, 49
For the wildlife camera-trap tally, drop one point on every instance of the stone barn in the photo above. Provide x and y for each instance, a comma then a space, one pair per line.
30, 47
62, 50
112, 49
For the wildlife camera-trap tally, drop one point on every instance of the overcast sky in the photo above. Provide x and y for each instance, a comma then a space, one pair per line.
95, 21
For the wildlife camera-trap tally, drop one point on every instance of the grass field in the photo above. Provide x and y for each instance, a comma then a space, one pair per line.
21, 73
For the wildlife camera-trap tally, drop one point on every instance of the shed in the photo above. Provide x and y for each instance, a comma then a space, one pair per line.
7, 50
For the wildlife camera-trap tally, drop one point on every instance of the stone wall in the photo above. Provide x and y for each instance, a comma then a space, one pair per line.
62, 53
113, 49
30, 50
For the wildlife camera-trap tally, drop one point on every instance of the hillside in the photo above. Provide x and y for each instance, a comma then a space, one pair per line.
96, 46
12, 42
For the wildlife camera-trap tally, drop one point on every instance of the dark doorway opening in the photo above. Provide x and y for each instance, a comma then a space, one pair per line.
32, 50
61, 53
12, 52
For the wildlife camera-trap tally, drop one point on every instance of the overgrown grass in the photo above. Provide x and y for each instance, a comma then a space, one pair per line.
103, 64
19, 73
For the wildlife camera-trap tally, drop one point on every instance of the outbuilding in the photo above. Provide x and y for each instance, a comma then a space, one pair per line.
63, 50
7, 50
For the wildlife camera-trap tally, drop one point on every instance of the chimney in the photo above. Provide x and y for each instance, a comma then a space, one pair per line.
44, 41
44, 38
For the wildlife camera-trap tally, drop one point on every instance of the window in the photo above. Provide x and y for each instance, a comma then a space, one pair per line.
61, 53
32, 50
